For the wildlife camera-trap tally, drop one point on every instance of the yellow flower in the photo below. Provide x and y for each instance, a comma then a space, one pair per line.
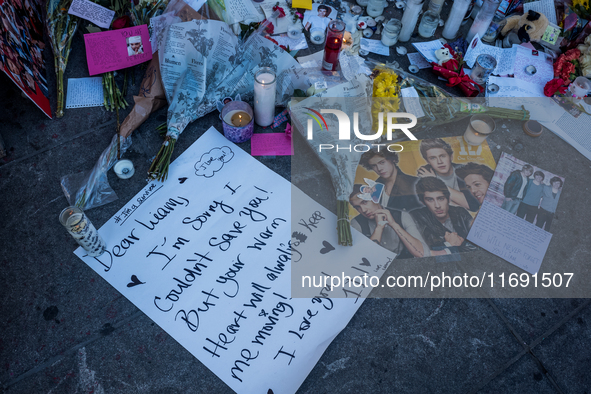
386, 88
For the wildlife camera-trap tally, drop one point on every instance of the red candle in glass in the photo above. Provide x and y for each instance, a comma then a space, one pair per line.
332, 46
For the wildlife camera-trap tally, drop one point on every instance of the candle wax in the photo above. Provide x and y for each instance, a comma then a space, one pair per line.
240, 119
234, 117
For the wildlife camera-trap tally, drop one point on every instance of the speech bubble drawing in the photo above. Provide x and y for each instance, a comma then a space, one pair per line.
213, 161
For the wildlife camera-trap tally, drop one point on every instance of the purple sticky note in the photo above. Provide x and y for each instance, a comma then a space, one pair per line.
116, 49
271, 144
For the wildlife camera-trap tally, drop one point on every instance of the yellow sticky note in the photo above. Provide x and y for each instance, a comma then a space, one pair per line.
307, 4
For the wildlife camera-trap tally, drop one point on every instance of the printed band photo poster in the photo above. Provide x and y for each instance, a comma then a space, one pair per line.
21, 47
419, 198
207, 255
515, 219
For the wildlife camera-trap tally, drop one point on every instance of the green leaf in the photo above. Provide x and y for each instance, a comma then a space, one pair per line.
93, 29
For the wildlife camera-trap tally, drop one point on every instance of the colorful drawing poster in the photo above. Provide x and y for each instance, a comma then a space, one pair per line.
432, 190
21, 47
516, 216
207, 255
117, 49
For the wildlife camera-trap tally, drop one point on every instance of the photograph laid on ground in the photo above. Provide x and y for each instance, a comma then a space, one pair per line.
134, 46
421, 200
318, 17
522, 201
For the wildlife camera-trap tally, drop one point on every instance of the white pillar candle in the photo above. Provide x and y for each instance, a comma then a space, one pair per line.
455, 18
264, 96
409, 19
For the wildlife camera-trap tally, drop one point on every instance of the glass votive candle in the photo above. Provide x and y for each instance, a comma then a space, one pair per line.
264, 96
237, 121
124, 169
294, 30
480, 127
580, 87
334, 41
317, 36
483, 67
83, 231
391, 32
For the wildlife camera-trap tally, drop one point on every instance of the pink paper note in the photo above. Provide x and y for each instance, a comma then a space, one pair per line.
116, 49
271, 144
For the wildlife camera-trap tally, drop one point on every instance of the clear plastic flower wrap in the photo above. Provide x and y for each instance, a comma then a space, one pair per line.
91, 189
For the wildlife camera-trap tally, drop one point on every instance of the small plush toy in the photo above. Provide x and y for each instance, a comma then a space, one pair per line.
529, 26
585, 59
442, 55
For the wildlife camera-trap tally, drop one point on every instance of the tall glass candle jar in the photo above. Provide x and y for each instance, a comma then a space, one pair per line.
494, 29
428, 24
391, 32
483, 19
435, 5
376, 7
83, 231
455, 18
264, 96
409, 19
332, 46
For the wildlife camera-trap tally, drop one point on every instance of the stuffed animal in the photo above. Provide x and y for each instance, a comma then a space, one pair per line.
442, 55
585, 59
529, 26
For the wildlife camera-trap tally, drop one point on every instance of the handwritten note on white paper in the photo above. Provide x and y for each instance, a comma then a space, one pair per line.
375, 46
213, 269
84, 92
545, 7
92, 12
525, 57
427, 49
412, 102
505, 57
509, 237
513, 87
418, 60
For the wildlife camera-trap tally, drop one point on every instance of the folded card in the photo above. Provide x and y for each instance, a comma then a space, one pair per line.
116, 49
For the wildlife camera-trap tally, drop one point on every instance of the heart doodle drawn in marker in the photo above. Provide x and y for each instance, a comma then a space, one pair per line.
327, 247
135, 281
365, 262
182, 180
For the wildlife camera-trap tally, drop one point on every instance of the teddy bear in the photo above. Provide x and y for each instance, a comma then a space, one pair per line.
585, 59
442, 55
529, 26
